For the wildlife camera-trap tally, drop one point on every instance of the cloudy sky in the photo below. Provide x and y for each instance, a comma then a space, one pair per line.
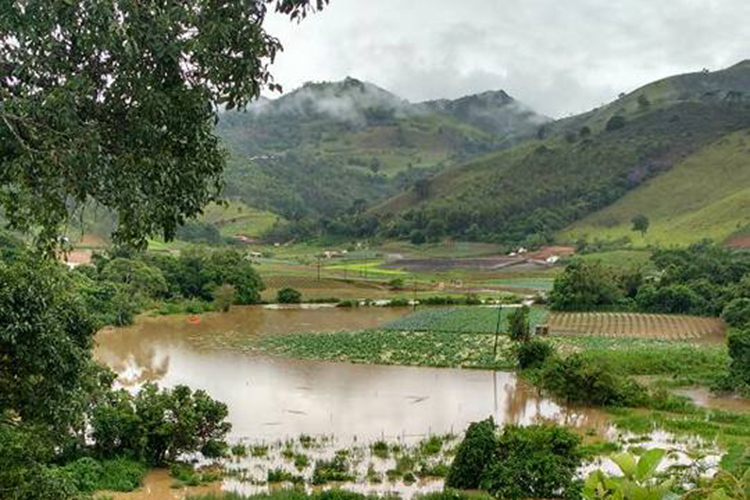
560, 57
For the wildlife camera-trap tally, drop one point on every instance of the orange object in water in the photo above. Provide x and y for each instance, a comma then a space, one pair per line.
195, 320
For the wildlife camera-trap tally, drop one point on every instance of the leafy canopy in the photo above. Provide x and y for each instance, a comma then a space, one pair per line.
115, 100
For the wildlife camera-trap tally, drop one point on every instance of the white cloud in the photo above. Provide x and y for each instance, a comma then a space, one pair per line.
558, 57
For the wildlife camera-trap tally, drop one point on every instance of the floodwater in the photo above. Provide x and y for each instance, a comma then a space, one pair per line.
277, 398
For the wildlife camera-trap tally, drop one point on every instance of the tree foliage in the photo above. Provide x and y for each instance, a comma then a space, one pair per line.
115, 100
585, 286
473, 456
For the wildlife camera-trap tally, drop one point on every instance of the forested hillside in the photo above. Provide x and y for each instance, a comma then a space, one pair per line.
580, 165
330, 148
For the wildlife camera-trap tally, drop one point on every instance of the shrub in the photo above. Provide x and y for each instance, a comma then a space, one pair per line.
617, 122
737, 312
533, 354
224, 297
518, 324
739, 353
585, 286
122, 474
86, 473
473, 456
538, 461
396, 284
288, 296
581, 380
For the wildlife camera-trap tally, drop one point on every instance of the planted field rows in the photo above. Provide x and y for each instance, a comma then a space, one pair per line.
666, 326
460, 320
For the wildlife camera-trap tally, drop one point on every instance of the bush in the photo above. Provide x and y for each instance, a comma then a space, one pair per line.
617, 122
739, 353
533, 354
121, 474
474, 455
518, 324
396, 284
538, 461
580, 380
288, 296
86, 473
737, 312
224, 297
672, 299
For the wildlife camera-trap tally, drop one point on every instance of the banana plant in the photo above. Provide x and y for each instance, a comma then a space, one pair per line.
638, 480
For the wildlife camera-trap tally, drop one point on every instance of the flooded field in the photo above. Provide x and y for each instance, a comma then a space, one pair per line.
277, 398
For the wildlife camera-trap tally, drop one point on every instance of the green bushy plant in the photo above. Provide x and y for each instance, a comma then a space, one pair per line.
288, 296
638, 481
581, 380
737, 312
519, 328
738, 343
533, 354
473, 456
538, 461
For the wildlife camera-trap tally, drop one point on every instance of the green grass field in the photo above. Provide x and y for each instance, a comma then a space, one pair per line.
705, 196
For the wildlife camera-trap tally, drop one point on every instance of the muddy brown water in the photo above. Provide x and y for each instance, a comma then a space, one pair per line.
274, 398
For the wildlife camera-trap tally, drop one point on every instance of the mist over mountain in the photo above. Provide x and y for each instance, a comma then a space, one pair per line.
323, 148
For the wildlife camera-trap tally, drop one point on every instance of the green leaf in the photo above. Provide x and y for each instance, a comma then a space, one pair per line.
648, 463
626, 463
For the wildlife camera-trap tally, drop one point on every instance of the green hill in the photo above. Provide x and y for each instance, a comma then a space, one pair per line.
705, 195
581, 165
329, 148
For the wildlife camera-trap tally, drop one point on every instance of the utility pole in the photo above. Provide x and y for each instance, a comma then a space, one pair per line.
497, 328
414, 282
318, 267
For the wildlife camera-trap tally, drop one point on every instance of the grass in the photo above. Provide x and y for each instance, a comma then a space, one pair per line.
524, 283
706, 195
686, 363
460, 320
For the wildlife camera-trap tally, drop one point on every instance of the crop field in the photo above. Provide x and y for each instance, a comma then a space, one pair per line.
526, 283
665, 326
460, 320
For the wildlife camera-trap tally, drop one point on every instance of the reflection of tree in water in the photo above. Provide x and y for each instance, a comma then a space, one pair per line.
525, 404
144, 369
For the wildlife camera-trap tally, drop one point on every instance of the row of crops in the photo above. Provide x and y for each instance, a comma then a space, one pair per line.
461, 320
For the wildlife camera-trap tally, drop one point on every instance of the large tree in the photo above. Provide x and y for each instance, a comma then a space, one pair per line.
114, 101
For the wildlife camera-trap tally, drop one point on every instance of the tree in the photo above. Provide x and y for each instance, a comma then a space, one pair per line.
585, 286
643, 102
737, 312
538, 461
617, 122
518, 324
46, 335
473, 456
422, 189
739, 354
584, 132
118, 106
640, 224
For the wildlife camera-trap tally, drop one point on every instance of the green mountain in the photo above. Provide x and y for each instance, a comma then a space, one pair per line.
329, 149
641, 149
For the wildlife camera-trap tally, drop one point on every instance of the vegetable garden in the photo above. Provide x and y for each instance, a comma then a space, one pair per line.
460, 320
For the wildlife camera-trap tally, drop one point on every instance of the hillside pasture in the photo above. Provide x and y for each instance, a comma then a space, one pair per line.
657, 326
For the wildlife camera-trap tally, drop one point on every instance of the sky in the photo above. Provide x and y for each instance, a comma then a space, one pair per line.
560, 57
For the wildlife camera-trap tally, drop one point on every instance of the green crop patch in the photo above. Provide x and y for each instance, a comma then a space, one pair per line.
461, 320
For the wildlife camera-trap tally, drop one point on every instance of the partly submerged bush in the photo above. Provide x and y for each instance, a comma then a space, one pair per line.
473, 456
538, 461
581, 380
119, 474
533, 354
